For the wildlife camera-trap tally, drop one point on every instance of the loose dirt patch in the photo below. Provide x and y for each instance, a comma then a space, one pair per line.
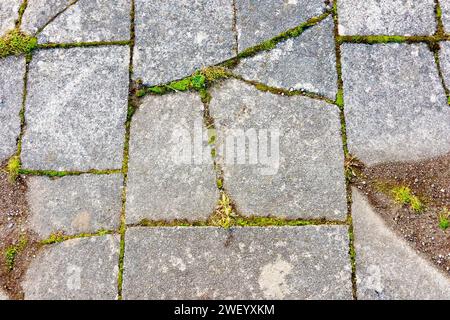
430, 181
14, 234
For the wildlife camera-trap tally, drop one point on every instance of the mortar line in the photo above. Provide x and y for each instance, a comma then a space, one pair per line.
55, 173
55, 16
340, 103
21, 11
23, 122
234, 27
46, 46
131, 110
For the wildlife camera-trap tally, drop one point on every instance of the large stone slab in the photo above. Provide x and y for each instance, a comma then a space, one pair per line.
298, 173
77, 269
9, 12
395, 105
244, 263
90, 20
174, 38
171, 173
445, 6
76, 109
259, 20
304, 63
386, 17
12, 70
40, 12
386, 267
74, 204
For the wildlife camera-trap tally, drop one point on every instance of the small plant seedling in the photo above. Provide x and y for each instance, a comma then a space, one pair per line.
12, 252
405, 196
444, 217
13, 168
224, 216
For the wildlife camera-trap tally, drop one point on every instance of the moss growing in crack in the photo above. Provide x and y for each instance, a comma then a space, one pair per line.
13, 168
275, 221
215, 73
340, 98
15, 43
60, 237
375, 39
12, 251
404, 195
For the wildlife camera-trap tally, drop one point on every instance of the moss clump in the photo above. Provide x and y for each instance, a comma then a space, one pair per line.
405, 196
13, 168
15, 43
444, 217
12, 252
215, 73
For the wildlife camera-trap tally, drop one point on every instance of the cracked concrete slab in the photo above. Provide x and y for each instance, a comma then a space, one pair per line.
395, 105
40, 12
298, 173
77, 269
307, 62
386, 17
74, 204
202, 35
259, 20
9, 13
12, 70
76, 109
90, 21
387, 268
170, 161
308, 262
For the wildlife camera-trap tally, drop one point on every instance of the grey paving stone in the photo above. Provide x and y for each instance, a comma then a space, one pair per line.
304, 63
39, 12
76, 109
12, 70
245, 263
395, 105
306, 180
74, 204
444, 59
445, 6
90, 20
168, 179
174, 38
386, 17
78, 269
9, 12
259, 20
386, 267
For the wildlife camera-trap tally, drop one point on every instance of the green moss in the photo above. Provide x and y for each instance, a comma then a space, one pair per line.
444, 216
12, 252
15, 43
52, 173
340, 98
404, 195
60, 237
375, 39
219, 184
13, 168
215, 73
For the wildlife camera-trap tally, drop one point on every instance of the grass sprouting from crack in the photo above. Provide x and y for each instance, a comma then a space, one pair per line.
12, 251
405, 196
61, 237
13, 168
16, 43
444, 217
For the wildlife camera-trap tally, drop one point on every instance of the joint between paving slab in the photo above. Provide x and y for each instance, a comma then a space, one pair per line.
126, 150
22, 9
435, 48
59, 237
234, 28
340, 104
83, 44
56, 16
54, 173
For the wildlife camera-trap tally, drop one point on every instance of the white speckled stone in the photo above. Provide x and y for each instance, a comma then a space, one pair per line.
307, 62
74, 204
307, 180
395, 105
76, 109
308, 262
40, 12
9, 12
159, 186
174, 38
12, 70
445, 6
90, 20
386, 17
444, 59
387, 267
259, 20
77, 269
